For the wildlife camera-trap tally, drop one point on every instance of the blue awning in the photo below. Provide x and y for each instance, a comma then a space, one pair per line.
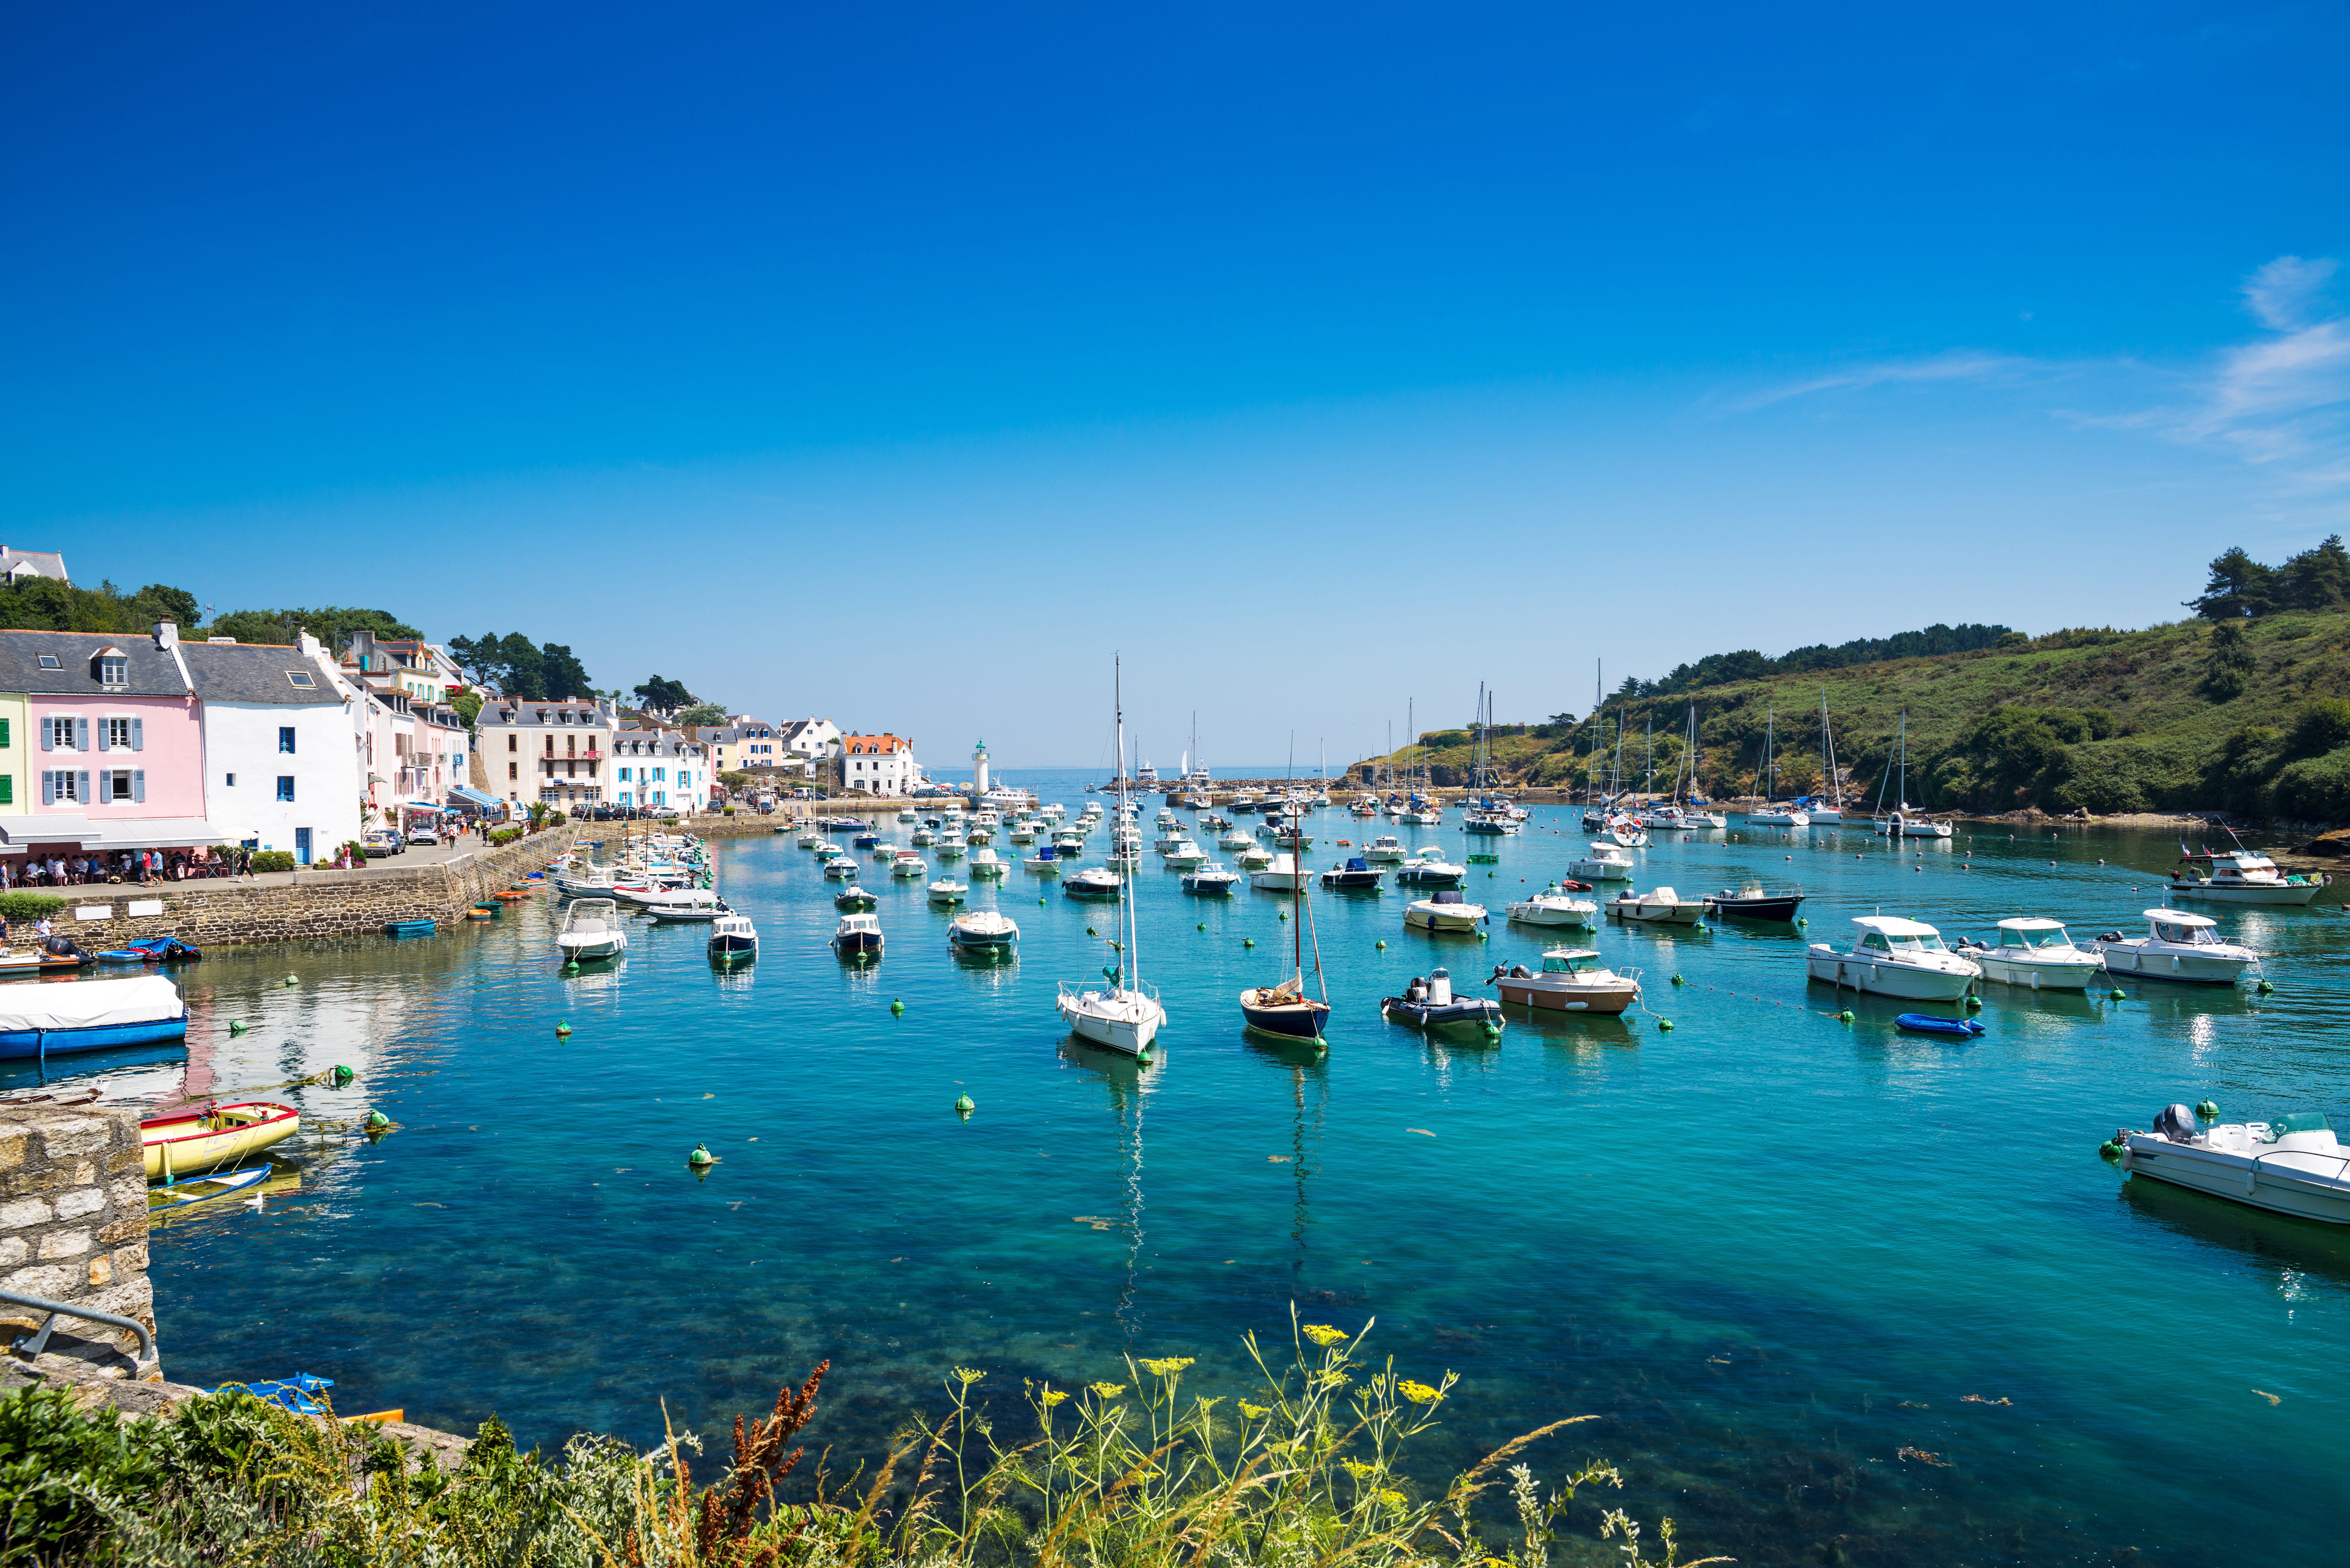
488, 802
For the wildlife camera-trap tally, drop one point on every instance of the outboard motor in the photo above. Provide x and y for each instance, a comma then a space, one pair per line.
1440, 988
1520, 971
2176, 1123
1418, 991
62, 947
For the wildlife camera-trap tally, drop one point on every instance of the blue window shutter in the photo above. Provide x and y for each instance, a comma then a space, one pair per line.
81, 734
48, 730
104, 787
48, 787
82, 793
138, 735
139, 785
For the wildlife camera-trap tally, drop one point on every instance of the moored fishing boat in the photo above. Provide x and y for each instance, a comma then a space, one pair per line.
591, 929
1751, 900
853, 897
1894, 957
857, 935
1432, 1003
1605, 862
986, 866
91, 1016
2238, 876
2178, 946
1285, 875
1430, 869
1555, 905
1212, 879
983, 930
1657, 906
2291, 1165
1355, 875
1092, 882
189, 1142
1571, 980
946, 890
1448, 910
2037, 953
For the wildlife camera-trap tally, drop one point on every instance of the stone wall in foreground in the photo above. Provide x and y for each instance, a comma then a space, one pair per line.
315, 904
73, 1229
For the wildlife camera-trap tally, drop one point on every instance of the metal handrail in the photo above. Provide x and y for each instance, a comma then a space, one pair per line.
39, 1339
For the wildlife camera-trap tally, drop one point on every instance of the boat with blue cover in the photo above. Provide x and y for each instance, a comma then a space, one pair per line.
407, 928
1927, 1023
91, 1016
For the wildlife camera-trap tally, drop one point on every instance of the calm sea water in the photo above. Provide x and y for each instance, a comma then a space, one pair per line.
1774, 1253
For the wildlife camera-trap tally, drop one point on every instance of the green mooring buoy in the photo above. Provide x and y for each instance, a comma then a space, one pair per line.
376, 1121
963, 1105
1383, 944
239, 1027
1677, 979
1974, 1003
1248, 941
1846, 1016
293, 980
2118, 994
2208, 1110
562, 1030
897, 1008
1664, 1026
702, 1156
342, 1075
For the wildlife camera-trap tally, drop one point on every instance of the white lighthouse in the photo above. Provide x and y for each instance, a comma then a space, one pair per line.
979, 769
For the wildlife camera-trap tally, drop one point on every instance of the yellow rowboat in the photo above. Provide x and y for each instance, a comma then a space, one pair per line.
188, 1142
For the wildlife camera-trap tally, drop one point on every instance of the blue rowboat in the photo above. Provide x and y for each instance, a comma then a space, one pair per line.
1927, 1023
407, 928
45, 1020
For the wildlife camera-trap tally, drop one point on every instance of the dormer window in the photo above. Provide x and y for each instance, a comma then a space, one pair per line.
111, 667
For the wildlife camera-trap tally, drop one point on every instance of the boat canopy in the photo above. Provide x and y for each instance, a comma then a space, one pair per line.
91, 1004
1894, 926
2030, 923
1449, 896
2177, 918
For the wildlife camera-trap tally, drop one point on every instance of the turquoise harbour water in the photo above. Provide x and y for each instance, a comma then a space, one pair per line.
1769, 1249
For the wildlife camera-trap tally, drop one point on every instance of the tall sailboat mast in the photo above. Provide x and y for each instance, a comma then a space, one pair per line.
1131, 966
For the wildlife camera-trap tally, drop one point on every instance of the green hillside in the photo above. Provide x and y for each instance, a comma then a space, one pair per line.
2245, 714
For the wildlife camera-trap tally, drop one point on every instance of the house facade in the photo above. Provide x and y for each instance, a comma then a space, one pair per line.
113, 743
811, 740
660, 770
422, 670
280, 771
559, 753
877, 765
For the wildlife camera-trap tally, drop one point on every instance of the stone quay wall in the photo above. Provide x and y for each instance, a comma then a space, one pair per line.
73, 1229
312, 904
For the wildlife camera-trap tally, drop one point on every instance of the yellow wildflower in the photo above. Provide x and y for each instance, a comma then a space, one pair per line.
1418, 1393
1394, 1500
1109, 1390
1167, 1366
968, 1376
1053, 1396
1255, 1412
1357, 1469
1323, 1334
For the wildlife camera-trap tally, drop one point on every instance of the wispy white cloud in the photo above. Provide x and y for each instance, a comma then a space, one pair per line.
1956, 366
2281, 398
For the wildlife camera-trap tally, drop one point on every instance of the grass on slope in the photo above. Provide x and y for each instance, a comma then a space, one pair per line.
2106, 721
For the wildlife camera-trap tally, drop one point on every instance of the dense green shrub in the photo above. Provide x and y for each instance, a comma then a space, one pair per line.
2323, 724
30, 906
505, 834
1303, 1470
273, 860
2312, 789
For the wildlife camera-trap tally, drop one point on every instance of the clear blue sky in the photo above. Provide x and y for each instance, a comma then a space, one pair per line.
898, 363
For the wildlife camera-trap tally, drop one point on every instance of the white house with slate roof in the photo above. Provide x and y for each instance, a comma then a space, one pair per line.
282, 769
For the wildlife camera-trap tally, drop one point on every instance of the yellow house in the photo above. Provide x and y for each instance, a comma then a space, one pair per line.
13, 737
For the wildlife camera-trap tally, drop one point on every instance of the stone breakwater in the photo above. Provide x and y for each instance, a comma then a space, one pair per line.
315, 904
73, 1229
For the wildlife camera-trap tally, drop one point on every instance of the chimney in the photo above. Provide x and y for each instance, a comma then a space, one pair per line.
167, 634
310, 647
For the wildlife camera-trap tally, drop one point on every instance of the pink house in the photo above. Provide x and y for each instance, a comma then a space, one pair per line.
112, 757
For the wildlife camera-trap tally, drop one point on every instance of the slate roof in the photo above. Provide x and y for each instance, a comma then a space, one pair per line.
256, 672
153, 671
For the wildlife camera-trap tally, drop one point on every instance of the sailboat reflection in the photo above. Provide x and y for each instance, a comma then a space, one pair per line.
1129, 1082
1307, 1064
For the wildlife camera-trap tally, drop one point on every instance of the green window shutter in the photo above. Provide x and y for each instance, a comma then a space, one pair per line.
3, 735
7, 784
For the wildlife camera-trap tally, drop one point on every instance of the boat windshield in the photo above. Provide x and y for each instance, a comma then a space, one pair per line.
2188, 936
1569, 963
1909, 946
2057, 938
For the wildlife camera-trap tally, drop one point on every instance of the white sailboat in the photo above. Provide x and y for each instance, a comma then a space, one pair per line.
1124, 1015
1907, 821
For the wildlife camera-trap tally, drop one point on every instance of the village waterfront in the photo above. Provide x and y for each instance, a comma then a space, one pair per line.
1823, 1282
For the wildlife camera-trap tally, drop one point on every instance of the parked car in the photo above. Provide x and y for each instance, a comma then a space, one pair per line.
423, 836
379, 842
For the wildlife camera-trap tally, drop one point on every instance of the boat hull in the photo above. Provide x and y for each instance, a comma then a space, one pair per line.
2035, 976
847, 943
1658, 914
1902, 980
1534, 992
1294, 1019
2184, 968
1549, 915
205, 1140
1435, 920
2259, 1183
1461, 1012
2286, 895
1125, 1024
28, 1043
1758, 908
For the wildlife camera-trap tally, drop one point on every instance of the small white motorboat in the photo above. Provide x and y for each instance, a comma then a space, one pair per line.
983, 930
945, 890
1045, 862
857, 935
1255, 858
1894, 957
1430, 1003
2241, 877
986, 866
1024, 833
924, 837
1554, 906
1092, 882
1606, 863
733, 937
1429, 868
811, 838
1186, 855
592, 929
1779, 816
1911, 824
2034, 953
840, 868
1211, 878
1387, 850
1285, 875
1629, 834
2176, 946
1444, 911
1657, 906
2293, 1165
1236, 840
1571, 980
907, 864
